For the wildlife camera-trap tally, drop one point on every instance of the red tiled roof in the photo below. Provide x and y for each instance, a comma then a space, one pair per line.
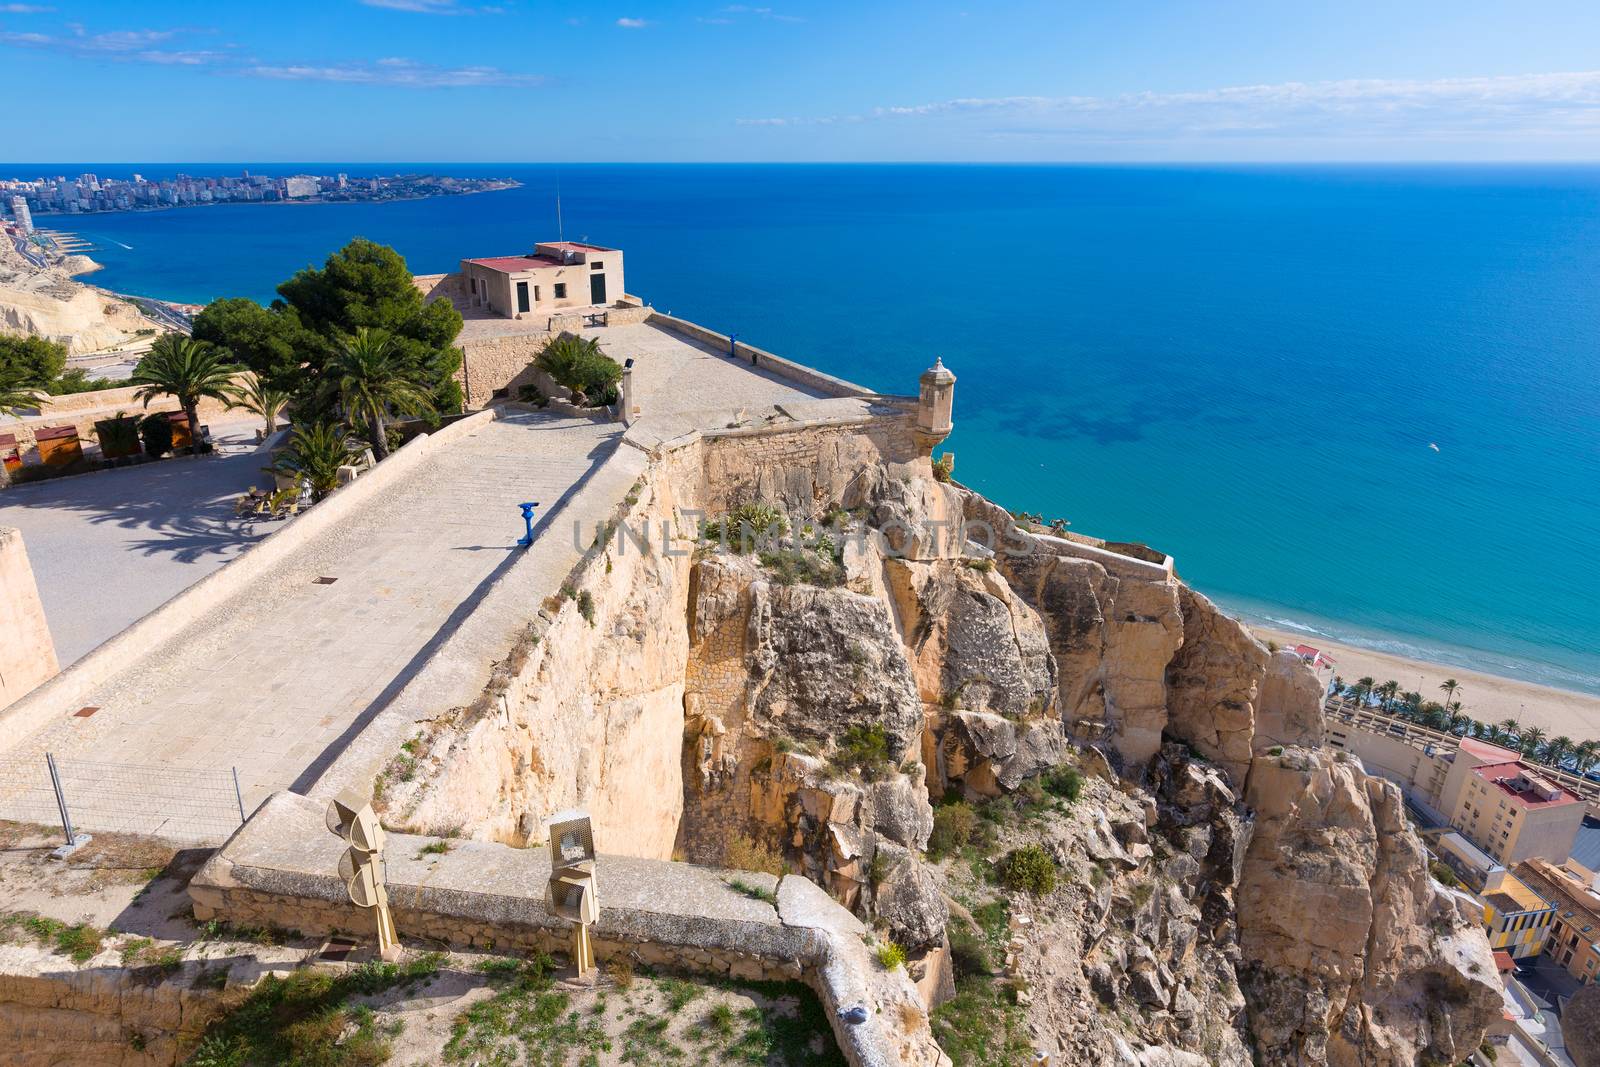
513, 264
1503, 961
1484, 750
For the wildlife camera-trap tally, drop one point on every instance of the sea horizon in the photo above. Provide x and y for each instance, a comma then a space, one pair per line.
1352, 400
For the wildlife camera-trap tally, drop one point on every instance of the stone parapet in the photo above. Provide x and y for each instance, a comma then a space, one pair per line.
279, 869
760, 357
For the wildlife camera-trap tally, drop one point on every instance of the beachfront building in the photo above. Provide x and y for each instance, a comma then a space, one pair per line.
1576, 927
1517, 919
20, 212
555, 275
1503, 806
1507, 809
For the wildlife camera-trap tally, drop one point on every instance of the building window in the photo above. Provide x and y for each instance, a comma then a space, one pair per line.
536, 296
474, 283
561, 290
597, 265
522, 296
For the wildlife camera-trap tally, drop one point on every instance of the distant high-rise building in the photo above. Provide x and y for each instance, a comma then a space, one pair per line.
20, 212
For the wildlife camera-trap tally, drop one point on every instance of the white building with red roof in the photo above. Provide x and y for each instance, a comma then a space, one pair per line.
555, 276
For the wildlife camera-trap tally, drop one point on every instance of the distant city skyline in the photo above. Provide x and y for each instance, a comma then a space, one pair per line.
1039, 81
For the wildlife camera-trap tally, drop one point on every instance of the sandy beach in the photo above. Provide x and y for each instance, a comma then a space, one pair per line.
1485, 697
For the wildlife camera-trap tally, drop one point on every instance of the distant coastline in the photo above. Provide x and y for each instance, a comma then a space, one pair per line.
89, 194
157, 208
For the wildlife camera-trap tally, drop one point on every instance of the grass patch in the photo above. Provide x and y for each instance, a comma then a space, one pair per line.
794, 566
433, 848
890, 956
754, 892
77, 941
308, 1018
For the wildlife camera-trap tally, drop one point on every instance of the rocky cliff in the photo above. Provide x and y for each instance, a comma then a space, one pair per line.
900, 691
48, 303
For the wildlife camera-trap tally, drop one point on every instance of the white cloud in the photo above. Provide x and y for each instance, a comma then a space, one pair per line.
134, 46
632, 24
403, 73
758, 12
24, 9
1393, 108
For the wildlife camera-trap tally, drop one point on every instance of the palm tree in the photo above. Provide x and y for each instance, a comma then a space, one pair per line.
1557, 750
316, 453
1360, 690
372, 375
17, 391
1457, 721
1387, 691
260, 399
1449, 686
187, 369
1530, 740
1509, 728
1587, 754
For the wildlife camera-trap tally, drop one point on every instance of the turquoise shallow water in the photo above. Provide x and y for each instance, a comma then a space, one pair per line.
1242, 366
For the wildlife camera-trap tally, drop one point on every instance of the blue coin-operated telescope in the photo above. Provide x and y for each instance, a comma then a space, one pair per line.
527, 517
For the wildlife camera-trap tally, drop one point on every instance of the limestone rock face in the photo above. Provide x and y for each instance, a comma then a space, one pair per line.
1354, 956
1289, 711
987, 754
1214, 683
1112, 639
825, 660
972, 642
48, 303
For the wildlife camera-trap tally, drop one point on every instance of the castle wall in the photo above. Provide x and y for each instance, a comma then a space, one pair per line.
27, 652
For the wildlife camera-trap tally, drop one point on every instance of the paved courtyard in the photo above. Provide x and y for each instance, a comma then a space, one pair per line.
109, 548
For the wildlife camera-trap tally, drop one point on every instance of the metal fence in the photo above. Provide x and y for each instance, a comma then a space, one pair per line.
188, 805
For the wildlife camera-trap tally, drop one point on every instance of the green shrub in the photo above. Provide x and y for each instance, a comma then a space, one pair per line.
791, 566
1443, 874
118, 436
942, 468
748, 527
747, 854
891, 955
156, 432
1029, 869
586, 606
863, 749
578, 364
1064, 782
952, 828
532, 394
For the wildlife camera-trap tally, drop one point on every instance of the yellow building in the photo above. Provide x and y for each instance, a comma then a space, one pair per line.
1517, 919
1576, 927
1509, 810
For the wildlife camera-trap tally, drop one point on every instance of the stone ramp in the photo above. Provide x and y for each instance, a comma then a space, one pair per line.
276, 678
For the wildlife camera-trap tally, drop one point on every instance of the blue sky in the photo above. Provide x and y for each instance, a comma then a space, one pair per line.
521, 80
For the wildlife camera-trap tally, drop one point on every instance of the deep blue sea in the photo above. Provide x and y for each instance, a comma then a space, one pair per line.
1244, 367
